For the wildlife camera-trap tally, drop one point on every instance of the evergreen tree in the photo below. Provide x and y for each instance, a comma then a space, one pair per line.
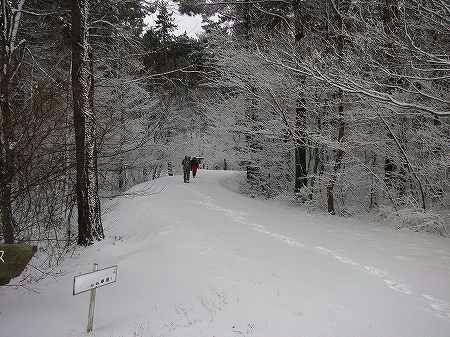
164, 24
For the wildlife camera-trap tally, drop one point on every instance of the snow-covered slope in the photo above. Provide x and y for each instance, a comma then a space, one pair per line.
200, 260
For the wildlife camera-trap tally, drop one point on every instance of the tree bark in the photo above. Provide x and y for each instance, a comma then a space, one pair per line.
10, 55
339, 156
373, 202
340, 6
253, 171
94, 172
300, 149
300, 113
89, 217
394, 175
6, 159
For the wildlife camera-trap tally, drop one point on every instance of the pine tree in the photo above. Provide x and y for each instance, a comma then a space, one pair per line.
165, 24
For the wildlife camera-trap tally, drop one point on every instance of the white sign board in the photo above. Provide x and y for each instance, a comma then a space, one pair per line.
95, 279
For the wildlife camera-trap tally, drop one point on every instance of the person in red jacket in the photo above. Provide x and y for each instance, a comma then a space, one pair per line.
194, 166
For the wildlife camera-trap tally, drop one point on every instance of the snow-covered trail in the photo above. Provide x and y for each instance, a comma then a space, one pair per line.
199, 260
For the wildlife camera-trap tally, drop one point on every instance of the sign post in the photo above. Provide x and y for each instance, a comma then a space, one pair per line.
90, 282
92, 305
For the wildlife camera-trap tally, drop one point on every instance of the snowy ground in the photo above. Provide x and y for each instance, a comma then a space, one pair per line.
200, 260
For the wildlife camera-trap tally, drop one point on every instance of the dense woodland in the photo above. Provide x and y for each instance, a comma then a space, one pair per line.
342, 106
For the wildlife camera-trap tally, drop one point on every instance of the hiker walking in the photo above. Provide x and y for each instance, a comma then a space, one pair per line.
169, 169
194, 166
186, 163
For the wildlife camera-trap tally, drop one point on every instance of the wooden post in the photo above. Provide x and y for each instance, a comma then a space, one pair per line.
91, 306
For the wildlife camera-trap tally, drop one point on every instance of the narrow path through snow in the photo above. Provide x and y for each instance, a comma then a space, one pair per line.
200, 259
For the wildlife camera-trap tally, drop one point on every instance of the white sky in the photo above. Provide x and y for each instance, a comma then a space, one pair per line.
192, 25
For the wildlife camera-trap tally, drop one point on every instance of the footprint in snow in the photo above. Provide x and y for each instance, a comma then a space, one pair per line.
400, 287
239, 219
441, 307
293, 243
261, 230
323, 249
375, 271
346, 260
283, 238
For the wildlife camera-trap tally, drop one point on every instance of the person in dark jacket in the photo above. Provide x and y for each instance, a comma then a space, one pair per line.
186, 163
194, 166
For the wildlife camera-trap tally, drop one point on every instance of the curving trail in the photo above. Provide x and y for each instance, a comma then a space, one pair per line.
200, 259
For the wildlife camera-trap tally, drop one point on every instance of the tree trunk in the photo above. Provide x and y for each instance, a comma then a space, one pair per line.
342, 8
392, 173
318, 151
253, 171
89, 217
93, 135
300, 114
6, 169
6, 152
339, 156
300, 149
373, 202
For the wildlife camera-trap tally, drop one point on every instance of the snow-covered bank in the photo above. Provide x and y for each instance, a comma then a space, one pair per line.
199, 260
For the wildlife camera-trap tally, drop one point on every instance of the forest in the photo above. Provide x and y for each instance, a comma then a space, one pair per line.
341, 106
